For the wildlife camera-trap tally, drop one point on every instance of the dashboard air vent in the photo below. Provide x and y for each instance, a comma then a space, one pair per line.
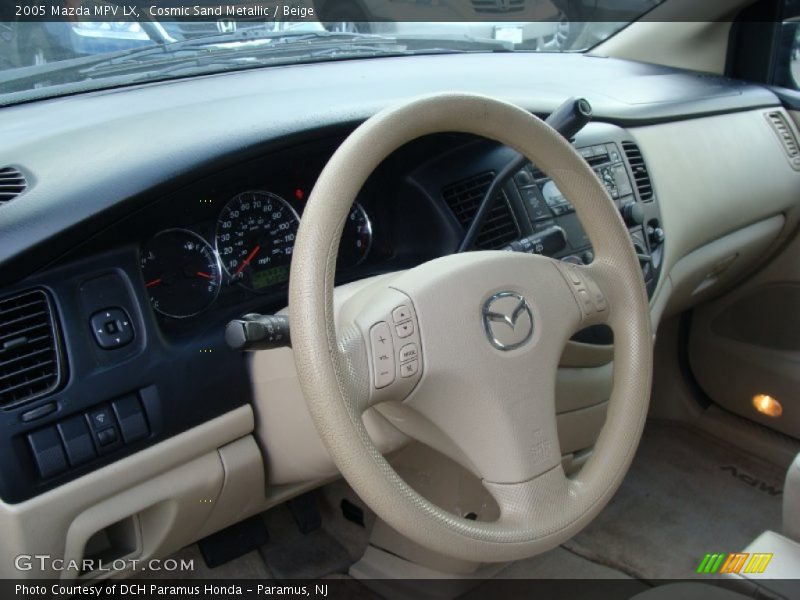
639, 170
786, 136
463, 198
30, 364
495, 7
12, 184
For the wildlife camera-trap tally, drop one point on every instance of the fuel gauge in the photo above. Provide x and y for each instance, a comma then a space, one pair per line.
181, 273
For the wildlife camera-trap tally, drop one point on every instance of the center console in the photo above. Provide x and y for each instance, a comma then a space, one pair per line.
557, 232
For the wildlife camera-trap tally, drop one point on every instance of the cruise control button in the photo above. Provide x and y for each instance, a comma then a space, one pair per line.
408, 352
380, 337
401, 313
405, 329
410, 368
586, 301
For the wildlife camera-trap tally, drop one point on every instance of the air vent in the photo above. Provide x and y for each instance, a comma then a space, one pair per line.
12, 184
495, 7
786, 136
30, 363
463, 198
640, 175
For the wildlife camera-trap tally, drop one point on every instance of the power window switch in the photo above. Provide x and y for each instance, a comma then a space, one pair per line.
131, 419
77, 441
48, 452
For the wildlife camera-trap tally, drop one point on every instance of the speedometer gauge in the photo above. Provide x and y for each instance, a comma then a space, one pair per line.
181, 273
255, 239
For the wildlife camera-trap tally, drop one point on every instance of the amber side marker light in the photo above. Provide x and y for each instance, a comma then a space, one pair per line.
767, 405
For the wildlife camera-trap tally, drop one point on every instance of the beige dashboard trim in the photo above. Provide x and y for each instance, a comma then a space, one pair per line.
178, 470
704, 193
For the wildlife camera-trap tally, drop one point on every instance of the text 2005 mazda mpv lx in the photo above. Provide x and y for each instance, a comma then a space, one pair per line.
308, 311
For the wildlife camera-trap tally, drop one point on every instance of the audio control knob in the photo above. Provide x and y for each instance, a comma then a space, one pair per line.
632, 213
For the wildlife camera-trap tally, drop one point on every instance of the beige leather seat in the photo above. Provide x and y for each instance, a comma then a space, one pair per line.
689, 591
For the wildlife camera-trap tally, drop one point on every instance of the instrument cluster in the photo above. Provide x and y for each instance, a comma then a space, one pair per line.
251, 247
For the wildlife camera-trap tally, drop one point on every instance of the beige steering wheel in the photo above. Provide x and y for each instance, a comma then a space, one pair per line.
465, 348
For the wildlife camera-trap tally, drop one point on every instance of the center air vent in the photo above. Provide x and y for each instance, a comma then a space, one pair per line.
12, 184
463, 198
640, 175
30, 364
786, 136
495, 7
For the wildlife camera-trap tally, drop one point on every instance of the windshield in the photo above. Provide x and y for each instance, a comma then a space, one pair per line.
69, 46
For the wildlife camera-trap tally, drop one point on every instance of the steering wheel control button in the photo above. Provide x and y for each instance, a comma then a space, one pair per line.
588, 294
112, 328
48, 452
401, 313
382, 354
410, 368
405, 329
132, 421
77, 441
408, 352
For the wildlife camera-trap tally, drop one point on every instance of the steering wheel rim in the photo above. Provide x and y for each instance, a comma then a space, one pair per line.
539, 506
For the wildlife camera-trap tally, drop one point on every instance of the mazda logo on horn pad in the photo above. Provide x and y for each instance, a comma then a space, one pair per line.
507, 320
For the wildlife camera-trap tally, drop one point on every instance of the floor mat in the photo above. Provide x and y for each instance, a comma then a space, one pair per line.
686, 494
293, 555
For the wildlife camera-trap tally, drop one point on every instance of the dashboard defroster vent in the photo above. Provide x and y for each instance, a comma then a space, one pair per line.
495, 7
783, 130
30, 360
12, 184
463, 198
639, 169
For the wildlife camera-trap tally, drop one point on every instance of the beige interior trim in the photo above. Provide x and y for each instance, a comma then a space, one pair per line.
160, 486
700, 46
702, 189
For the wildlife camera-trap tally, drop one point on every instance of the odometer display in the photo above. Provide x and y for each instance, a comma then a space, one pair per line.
255, 239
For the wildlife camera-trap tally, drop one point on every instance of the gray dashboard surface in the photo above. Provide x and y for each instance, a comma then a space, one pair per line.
92, 157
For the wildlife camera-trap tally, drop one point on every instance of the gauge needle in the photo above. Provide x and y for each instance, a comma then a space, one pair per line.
204, 275
152, 283
247, 260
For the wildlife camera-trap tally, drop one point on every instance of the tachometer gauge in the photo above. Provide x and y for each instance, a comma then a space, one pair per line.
356, 237
255, 239
181, 272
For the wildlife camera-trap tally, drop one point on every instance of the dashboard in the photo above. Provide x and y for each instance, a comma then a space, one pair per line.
138, 256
